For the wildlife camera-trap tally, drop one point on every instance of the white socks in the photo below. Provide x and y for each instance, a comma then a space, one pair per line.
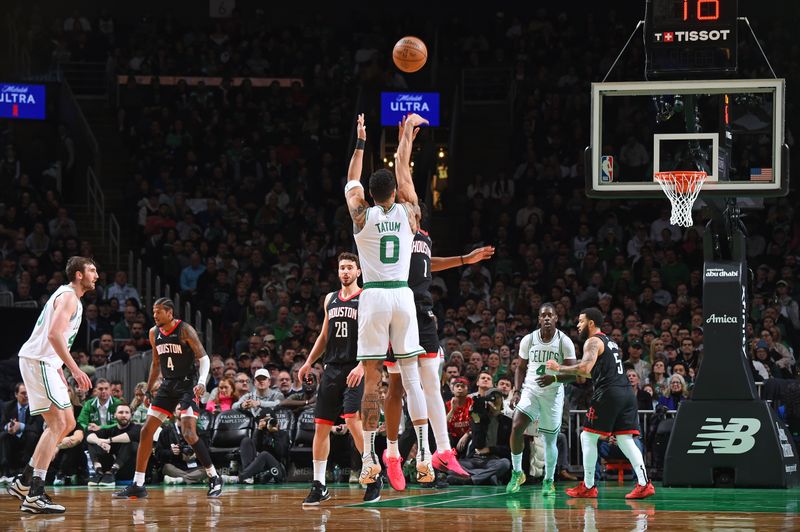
423, 452
634, 455
369, 457
319, 470
516, 462
392, 449
589, 444
211, 471
40, 473
138, 479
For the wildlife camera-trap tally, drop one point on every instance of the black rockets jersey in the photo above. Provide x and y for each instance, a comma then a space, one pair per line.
419, 273
175, 357
607, 371
342, 346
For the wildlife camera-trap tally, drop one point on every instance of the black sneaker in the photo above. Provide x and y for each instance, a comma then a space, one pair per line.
318, 494
17, 488
215, 486
108, 480
95, 479
41, 504
131, 491
373, 493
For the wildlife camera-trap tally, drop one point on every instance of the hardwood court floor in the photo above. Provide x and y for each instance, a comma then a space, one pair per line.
454, 509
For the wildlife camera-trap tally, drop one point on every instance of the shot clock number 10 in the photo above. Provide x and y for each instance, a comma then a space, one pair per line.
683, 37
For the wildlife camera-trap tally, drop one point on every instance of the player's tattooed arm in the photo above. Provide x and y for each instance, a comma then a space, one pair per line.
591, 350
371, 410
354, 191
189, 335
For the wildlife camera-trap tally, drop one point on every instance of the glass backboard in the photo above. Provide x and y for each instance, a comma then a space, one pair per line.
731, 129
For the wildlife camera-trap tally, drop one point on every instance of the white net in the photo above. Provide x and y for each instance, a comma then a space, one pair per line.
682, 189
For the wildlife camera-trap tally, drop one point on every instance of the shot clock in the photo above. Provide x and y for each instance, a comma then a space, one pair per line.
685, 37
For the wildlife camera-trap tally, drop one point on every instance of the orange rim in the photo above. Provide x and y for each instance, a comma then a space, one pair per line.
683, 182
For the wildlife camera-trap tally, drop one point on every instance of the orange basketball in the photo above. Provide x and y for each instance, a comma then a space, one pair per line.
410, 54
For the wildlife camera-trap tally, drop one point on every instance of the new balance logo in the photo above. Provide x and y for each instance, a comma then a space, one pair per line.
734, 438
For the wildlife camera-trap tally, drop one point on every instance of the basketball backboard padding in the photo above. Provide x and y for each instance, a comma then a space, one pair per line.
731, 129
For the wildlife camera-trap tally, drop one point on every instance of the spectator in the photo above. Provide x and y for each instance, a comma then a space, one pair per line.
263, 397
122, 330
139, 404
177, 458
121, 290
643, 399
116, 390
21, 431
191, 273
262, 454
113, 449
98, 412
678, 391
226, 397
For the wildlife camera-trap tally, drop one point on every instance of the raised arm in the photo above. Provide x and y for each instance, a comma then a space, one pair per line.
476, 255
406, 193
592, 349
354, 190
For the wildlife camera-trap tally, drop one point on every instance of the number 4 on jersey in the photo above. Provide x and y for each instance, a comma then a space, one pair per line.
170, 365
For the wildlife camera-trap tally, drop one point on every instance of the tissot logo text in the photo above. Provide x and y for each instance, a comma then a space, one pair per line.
723, 318
691, 36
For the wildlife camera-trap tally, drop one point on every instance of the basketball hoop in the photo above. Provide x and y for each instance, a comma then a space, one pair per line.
682, 189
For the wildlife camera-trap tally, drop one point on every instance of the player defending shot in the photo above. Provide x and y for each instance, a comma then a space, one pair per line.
40, 362
339, 343
419, 280
384, 236
175, 347
539, 395
612, 409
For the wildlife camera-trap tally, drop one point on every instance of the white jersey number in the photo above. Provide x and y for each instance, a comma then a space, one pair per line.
341, 329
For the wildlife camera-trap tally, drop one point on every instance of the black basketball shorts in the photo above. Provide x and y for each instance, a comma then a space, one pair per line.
613, 412
334, 398
174, 392
428, 337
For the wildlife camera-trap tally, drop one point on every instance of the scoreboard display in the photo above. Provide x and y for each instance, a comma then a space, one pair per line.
684, 37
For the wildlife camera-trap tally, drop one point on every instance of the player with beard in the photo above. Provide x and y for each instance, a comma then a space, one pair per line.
338, 340
175, 348
612, 410
40, 362
541, 396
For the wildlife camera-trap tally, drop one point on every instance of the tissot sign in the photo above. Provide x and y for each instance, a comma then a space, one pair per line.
396, 105
22, 101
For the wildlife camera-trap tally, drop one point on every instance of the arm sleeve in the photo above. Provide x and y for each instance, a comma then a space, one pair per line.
202, 374
524, 347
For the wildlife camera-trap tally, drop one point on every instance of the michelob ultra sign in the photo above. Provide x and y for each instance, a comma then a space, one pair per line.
396, 105
18, 100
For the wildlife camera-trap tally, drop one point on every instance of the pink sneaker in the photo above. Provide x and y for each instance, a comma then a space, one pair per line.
447, 461
394, 471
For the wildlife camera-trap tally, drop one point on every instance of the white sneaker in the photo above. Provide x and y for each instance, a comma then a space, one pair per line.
230, 479
369, 473
249, 480
172, 480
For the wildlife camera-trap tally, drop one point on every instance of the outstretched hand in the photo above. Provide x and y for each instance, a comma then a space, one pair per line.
401, 127
479, 254
415, 120
361, 129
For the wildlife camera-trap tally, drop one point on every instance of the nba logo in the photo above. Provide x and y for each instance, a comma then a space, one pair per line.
606, 169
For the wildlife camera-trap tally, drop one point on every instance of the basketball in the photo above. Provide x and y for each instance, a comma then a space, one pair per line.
410, 54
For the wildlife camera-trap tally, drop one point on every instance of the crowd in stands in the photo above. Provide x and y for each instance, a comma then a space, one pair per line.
237, 202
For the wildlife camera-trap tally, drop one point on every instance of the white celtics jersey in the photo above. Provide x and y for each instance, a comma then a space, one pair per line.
537, 352
384, 244
38, 346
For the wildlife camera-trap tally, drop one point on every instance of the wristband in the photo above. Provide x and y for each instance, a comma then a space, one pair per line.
360, 144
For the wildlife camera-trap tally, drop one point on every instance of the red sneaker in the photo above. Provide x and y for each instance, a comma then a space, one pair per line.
446, 461
582, 492
641, 492
394, 471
